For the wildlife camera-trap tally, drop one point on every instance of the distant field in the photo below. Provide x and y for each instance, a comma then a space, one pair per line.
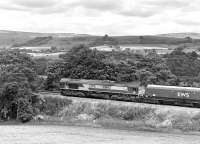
181, 35
139, 47
150, 46
104, 48
35, 48
163, 49
46, 55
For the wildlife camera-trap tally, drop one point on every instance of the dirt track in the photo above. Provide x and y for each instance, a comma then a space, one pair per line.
45, 134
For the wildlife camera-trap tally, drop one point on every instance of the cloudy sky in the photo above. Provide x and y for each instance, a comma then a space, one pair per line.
114, 17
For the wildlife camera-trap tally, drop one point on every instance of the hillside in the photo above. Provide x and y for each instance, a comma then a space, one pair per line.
68, 40
181, 35
151, 40
10, 38
59, 42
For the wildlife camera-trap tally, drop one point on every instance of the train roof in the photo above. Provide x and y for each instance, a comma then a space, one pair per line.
173, 88
100, 82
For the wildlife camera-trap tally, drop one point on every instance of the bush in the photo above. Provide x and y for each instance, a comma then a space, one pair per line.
25, 117
107, 110
53, 105
25, 110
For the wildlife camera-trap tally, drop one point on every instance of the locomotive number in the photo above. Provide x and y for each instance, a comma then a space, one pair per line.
183, 94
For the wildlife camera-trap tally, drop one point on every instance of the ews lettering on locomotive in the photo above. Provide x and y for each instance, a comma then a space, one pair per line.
183, 94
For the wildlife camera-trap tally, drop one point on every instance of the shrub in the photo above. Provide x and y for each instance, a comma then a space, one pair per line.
24, 111
53, 105
107, 110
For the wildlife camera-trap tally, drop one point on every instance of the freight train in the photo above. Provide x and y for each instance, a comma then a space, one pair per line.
132, 92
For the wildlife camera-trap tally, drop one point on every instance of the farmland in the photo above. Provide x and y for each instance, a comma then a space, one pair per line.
46, 55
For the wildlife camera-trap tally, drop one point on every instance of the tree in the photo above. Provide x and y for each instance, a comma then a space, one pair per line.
17, 80
188, 39
16, 66
84, 63
183, 64
105, 40
41, 66
24, 110
146, 77
13, 57
141, 39
54, 74
11, 97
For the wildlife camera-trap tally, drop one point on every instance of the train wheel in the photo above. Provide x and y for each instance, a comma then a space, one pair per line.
115, 97
160, 102
197, 105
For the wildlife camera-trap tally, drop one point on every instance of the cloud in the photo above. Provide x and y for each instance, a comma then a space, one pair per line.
188, 23
36, 6
142, 12
12, 8
7, 5
134, 8
120, 7
167, 3
34, 3
188, 19
108, 5
138, 13
100, 16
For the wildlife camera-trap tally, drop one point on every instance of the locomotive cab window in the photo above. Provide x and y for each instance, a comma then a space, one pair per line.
106, 87
62, 84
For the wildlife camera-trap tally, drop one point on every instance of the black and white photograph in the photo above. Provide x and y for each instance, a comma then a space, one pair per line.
100, 71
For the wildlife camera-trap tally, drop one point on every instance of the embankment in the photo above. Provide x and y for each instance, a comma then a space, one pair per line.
123, 115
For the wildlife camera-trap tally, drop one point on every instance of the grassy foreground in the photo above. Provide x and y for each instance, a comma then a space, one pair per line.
120, 115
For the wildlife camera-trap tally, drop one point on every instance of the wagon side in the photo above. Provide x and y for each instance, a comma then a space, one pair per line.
174, 94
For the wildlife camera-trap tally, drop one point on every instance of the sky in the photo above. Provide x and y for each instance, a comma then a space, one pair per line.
99, 17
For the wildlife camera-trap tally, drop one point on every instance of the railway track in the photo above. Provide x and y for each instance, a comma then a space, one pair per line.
59, 95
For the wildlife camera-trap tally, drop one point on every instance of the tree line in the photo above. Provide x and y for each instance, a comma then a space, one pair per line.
84, 63
18, 79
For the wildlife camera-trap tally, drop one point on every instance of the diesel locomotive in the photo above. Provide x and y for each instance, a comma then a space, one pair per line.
132, 92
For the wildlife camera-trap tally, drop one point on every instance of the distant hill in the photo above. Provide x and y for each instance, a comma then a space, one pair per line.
151, 40
181, 35
68, 40
9, 38
59, 42
35, 34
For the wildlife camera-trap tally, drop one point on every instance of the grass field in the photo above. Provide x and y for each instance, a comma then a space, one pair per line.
65, 134
46, 55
